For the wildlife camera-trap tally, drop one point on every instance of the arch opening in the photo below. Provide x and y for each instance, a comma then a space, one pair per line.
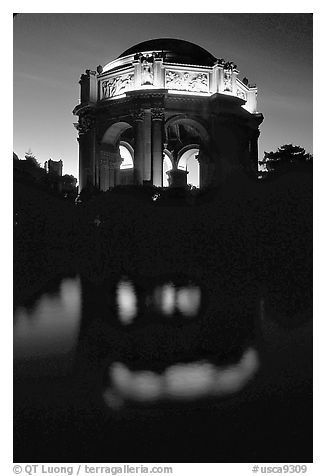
167, 165
126, 156
188, 161
113, 133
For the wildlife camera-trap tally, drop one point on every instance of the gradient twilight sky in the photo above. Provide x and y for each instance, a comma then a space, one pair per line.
52, 50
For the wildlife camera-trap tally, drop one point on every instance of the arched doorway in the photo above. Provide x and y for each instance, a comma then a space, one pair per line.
127, 158
111, 170
127, 164
167, 165
188, 161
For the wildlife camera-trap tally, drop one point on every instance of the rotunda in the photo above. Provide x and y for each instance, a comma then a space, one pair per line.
167, 113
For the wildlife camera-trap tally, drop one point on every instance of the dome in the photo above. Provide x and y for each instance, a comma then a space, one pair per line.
176, 51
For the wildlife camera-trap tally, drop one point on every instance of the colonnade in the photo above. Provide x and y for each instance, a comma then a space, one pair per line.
100, 160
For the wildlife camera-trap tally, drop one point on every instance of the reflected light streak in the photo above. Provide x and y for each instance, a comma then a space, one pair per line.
182, 381
164, 298
54, 324
188, 300
126, 302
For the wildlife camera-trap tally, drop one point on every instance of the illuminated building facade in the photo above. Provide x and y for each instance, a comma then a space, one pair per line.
166, 113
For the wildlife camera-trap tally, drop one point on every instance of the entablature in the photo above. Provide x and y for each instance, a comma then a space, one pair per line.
148, 71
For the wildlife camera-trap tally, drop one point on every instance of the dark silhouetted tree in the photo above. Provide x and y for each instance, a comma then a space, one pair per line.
287, 157
31, 158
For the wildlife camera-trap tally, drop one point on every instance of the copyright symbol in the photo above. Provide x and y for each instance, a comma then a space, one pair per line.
17, 469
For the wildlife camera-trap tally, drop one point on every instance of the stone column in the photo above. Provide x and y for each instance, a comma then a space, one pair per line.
253, 150
88, 87
139, 147
203, 169
104, 172
158, 72
97, 164
118, 162
137, 72
110, 171
87, 151
215, 79
209, 168
157, 146
111, 163
147, 126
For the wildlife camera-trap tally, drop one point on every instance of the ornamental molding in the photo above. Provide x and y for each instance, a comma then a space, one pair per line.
150, 58
191, 81
187, 98
158, 114
85, 124
138, 115
241, 94
146, 93
229, 65
226, 64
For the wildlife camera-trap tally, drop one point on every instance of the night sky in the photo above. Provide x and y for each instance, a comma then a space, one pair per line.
51, 51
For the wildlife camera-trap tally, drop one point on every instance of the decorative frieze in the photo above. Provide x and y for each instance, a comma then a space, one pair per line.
186, 81
117, 85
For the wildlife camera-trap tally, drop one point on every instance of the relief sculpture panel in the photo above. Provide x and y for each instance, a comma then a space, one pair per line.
117, 85
186, 81
241, 94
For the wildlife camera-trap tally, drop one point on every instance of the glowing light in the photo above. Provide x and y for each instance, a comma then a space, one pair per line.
248, 108
127, 161
126, 302
116, 63
187, 93
167, 165
189, 162
119, 96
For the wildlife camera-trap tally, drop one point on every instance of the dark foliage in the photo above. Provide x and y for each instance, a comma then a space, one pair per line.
287, 157
246, 238
242, 243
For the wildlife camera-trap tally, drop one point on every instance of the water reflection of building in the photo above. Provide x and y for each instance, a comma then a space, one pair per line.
159, 340
166, 112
